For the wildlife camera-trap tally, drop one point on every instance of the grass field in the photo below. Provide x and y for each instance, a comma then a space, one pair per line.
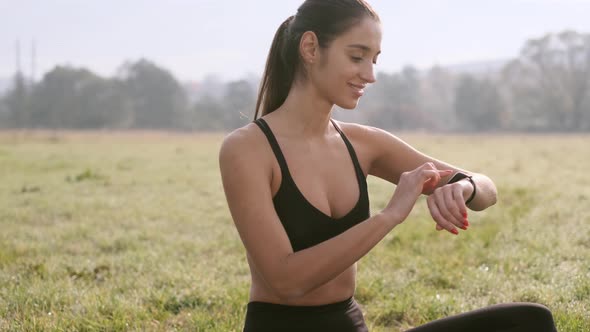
131, 232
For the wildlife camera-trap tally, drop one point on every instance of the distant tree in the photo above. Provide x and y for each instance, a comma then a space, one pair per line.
478, 104
437, 91
115, 105
208, 114
17, 101
550, 83
55, 99
239, 103
158, 100
396, 101
5, 118
77, 98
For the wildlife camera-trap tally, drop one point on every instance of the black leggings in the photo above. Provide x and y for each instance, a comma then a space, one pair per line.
346, 316
510, 317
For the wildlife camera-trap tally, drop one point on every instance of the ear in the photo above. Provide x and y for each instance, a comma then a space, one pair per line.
309, 47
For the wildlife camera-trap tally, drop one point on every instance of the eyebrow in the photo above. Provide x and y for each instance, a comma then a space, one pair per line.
362, 47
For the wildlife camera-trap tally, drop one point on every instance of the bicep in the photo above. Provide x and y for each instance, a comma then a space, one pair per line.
392, 156
248, 193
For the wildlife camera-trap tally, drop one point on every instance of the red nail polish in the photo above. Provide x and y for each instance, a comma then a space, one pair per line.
466, 223
455, 231
464, 227
465, 215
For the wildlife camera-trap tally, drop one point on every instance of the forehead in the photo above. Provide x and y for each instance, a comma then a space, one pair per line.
366, 33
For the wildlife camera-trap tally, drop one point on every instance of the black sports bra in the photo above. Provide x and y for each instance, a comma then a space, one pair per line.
306, 225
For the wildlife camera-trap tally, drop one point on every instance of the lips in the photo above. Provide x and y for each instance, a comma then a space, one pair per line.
359, 89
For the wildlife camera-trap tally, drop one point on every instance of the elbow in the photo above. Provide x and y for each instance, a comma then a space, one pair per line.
491, 198
488, 195
494, 198
288, 285
288, 281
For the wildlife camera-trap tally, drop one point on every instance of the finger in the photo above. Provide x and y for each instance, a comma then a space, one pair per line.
430, 179
460, 203
442, 172
440, 220
434, 175
428, 186
452, 205
432, 166
441, 198
438, 228
429, 165
433, 180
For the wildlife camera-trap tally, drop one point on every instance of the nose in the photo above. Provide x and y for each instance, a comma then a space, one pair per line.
368, 73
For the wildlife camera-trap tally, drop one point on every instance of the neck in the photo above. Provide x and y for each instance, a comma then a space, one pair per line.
305, 112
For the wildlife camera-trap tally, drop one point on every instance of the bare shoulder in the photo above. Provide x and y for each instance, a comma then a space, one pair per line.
365, 134
354, 131
244, 156
242, 143
386, 155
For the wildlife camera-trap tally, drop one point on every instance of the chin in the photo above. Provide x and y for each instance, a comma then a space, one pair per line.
348, 105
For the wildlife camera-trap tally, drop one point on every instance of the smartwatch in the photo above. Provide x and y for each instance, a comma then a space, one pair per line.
460, 176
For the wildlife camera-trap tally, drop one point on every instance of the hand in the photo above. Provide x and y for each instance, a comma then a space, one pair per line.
447, 206
410, 185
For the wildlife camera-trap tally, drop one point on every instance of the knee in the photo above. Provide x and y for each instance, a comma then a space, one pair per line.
538, 309
536, 312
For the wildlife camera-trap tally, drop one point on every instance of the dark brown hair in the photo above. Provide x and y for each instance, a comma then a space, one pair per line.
327, 19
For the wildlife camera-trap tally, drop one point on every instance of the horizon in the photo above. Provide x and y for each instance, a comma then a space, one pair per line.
473, 66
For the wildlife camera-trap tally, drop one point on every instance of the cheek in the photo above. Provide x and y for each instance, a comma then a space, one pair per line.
338, 74
328, 77
333, 76
333, 82
345, 67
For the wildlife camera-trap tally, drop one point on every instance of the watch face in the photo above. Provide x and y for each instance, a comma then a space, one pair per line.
457, 177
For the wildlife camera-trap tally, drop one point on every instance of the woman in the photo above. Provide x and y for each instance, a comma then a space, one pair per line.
299, 199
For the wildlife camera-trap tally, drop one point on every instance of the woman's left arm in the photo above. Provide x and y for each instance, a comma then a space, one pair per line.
389, 157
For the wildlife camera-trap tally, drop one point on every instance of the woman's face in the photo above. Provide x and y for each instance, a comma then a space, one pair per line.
346, 66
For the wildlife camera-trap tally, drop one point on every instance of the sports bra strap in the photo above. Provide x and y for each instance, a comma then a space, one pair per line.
357, 166
281, 158
273, 144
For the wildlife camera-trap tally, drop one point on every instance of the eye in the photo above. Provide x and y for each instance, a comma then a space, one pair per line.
356, 59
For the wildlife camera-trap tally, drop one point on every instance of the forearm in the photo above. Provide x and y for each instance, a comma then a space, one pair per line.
306, 270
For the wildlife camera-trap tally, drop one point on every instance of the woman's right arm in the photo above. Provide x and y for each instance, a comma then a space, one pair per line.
246, 174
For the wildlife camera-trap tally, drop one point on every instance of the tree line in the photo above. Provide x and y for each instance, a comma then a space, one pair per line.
546, 88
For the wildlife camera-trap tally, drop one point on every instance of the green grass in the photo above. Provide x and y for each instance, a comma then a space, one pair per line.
130, 232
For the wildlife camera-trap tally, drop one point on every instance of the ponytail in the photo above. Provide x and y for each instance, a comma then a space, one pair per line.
327, 19
279, 72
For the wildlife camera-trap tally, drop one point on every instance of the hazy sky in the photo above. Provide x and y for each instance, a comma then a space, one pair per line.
230, 38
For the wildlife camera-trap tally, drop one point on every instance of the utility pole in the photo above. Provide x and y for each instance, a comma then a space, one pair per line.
33, 60
17, 50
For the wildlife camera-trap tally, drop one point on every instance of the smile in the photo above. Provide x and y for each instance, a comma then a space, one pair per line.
358, 89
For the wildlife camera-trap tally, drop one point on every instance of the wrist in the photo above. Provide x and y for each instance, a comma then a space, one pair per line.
469, 188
